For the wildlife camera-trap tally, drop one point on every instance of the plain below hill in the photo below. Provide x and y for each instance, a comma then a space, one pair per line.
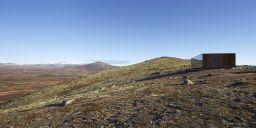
18, 80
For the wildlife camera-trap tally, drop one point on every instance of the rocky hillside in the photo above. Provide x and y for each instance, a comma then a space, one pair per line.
162, 92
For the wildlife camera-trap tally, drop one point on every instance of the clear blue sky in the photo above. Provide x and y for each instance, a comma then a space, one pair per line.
44, 31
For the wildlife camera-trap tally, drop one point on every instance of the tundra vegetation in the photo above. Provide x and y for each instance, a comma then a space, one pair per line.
148, 94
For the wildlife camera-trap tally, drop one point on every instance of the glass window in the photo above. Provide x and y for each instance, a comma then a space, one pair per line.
197, 62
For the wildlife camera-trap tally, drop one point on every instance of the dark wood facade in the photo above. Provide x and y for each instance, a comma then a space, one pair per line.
214, 60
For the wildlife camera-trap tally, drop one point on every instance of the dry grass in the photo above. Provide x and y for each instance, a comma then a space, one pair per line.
125, 97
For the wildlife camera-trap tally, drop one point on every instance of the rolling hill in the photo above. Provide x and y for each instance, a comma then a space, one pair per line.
149, 94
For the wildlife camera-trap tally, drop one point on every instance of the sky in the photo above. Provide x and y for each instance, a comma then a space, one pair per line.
124, 31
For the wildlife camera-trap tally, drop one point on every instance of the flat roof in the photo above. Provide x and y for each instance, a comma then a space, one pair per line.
218, 53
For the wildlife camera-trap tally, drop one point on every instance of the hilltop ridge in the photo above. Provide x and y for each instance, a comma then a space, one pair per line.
117, 76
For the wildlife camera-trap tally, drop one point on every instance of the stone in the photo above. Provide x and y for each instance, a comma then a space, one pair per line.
188, 82
154, 95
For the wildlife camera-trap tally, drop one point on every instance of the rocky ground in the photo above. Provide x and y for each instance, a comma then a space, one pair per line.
162, 92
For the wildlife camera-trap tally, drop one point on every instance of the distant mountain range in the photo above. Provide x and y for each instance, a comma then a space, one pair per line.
91, 66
